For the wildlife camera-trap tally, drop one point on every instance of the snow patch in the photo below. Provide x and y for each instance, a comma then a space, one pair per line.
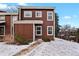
58, 47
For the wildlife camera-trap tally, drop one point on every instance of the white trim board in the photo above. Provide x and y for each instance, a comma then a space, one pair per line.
9, 14
36, 7
29, 22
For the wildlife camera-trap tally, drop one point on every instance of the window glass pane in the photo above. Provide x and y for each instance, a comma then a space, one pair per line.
38, 13
38, 28
49, 17
49, 32
27, 13
50, 14
38, 32
2, 18
50, 28
1, 30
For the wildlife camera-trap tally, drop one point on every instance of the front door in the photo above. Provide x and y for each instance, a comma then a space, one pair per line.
38, 32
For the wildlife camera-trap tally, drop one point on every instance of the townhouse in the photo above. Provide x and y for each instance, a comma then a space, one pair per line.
31, 22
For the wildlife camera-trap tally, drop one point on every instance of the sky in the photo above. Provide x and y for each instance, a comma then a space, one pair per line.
68, 12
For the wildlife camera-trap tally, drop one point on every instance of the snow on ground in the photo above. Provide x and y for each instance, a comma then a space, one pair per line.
9, 50
58, 47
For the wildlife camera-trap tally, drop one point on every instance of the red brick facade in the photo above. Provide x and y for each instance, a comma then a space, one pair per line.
8, 24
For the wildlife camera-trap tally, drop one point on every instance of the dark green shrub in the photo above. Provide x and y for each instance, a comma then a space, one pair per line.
52, 39
46, 39
21, 40
77, 35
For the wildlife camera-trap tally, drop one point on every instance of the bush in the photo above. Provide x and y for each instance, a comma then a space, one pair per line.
46, 39
21, 40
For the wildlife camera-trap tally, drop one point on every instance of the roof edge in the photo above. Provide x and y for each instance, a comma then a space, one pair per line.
36, 7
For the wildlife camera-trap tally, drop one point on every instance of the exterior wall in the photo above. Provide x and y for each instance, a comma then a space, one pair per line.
24, 30
33, 14
43, 18
8, 24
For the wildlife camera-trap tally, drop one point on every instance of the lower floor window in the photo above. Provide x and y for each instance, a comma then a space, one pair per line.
38, 30
2, 30
49, 30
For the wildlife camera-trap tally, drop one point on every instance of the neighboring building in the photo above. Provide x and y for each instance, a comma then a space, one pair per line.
6, 23
31, 23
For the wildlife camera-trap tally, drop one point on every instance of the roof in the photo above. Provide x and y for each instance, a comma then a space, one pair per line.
2, 11
36, 7
8, 13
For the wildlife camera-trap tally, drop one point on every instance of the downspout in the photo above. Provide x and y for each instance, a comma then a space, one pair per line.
13, 31
33, 32
19, 13
12, 27
54, 24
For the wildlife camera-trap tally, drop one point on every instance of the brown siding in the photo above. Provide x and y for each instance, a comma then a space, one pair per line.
8, 24
24, 30
43, 18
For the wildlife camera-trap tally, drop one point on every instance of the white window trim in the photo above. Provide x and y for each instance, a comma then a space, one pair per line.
30, 13
40, 30
37, 12
52, 15
2, 19
52, 30
4, 31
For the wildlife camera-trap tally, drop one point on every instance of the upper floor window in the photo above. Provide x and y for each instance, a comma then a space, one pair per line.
49, 30
49, 15
15, 18
2, 18
38, 13
27, 13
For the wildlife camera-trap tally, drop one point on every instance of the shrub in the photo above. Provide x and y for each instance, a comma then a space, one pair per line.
21, 40
39, 41
46, 39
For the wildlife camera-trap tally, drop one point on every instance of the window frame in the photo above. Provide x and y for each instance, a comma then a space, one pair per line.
39, 12
28, 12
38, 30
51, 15
52, 30
2, 16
